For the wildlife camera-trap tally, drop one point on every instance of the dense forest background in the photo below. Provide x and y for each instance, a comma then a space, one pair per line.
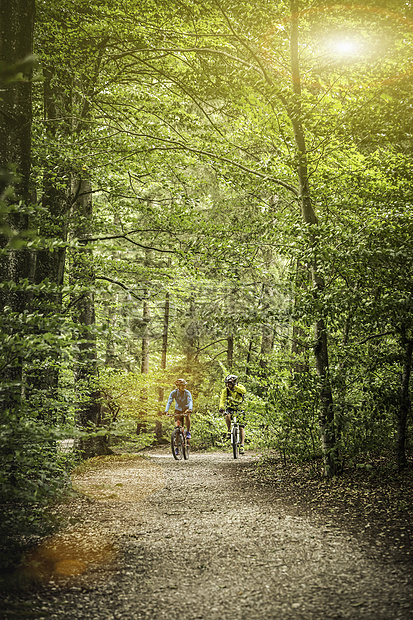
190, 188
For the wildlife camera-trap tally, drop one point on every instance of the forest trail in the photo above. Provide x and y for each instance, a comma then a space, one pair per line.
202, 540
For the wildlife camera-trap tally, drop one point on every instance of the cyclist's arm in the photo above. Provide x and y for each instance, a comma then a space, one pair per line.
223, 399
189, 405
170, 399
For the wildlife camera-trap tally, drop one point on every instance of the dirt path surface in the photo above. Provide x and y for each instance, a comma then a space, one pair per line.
200, 540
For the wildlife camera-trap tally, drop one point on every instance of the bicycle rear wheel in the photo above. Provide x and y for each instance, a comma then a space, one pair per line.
176, 445
235, 441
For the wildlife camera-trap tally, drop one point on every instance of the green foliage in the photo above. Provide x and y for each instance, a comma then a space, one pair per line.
291, 410
32, 467
189, 146
34, 472
207, 430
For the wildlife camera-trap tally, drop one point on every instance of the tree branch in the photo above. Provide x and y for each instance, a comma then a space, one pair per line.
210, 345
125, 236
176, 146
374, 336
119, 284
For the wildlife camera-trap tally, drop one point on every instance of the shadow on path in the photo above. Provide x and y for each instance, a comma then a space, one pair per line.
210, 544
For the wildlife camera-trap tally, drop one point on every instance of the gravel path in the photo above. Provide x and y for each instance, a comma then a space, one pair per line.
205, 542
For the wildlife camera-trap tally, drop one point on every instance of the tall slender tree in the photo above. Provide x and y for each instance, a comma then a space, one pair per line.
86, 371
16, 64
327, 422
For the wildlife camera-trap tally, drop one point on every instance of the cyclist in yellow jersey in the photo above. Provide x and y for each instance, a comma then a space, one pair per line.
232, 397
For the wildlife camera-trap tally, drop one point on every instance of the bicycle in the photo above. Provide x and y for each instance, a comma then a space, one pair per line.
235, 435
179, 440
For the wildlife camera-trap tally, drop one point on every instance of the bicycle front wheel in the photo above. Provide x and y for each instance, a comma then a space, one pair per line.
185, 448
235, 442
176, 445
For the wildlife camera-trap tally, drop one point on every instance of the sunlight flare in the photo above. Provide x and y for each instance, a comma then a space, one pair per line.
346, 47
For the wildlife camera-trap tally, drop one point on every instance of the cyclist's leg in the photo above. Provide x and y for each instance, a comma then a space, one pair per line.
188, 427
241, 415
228, 421
188, 422
241, 439
180, 444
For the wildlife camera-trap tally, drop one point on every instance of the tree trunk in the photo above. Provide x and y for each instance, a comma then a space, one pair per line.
165, 332
405, 405
267, 331
267, 341
230, 351
299, 349
16, 45
86, 372
110, 357
248, 361
43, 380
158, 425
190, 334
326, 418
146, 318
56, 190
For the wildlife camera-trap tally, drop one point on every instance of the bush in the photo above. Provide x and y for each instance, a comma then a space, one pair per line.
33, 473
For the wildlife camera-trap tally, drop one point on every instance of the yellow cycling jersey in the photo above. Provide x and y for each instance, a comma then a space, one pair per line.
232, 399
